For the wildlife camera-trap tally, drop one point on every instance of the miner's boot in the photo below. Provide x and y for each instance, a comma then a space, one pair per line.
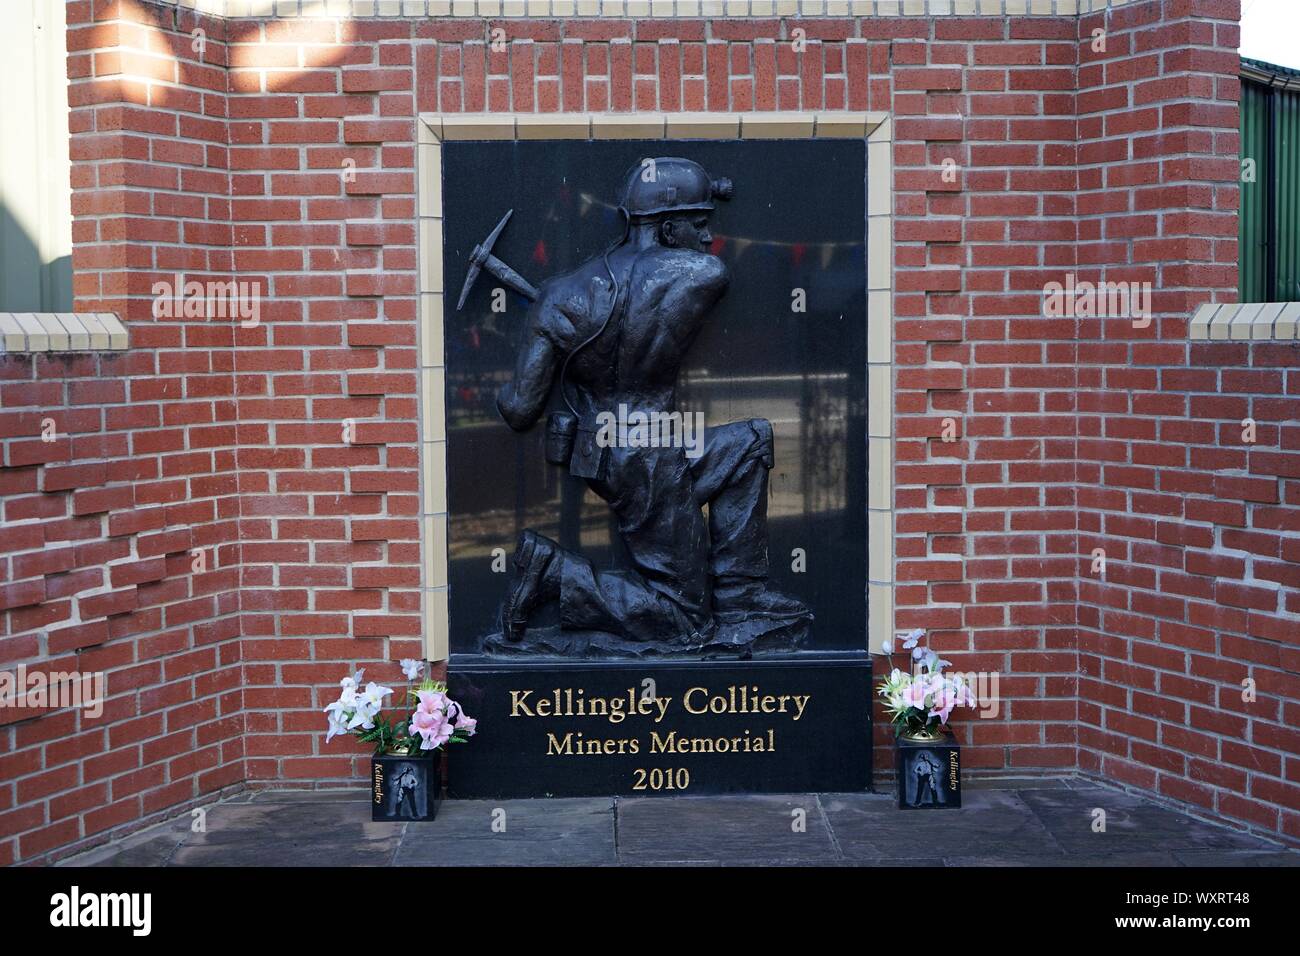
535, 582
753, 596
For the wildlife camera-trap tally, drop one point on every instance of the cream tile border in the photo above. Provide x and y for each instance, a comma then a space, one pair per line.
880, 382
778, 125
28, 332
1253, 321
703, 125
876, 128
625, 125
657, 9
555, 126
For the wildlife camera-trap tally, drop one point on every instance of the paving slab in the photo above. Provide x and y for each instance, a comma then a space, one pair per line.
766, 829
153, 846
1148, 858
870, 828
1028, 823
556, 832
1133, 824
290, 833
1278, 856
1012, 783
333, 795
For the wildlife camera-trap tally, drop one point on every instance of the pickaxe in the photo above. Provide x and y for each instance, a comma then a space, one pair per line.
482, 258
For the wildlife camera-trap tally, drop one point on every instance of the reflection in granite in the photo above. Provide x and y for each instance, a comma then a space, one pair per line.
750, 357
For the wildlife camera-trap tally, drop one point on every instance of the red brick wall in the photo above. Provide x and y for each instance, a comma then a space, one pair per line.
985, 527
213, 435
1202, 583
99, 525
330, 530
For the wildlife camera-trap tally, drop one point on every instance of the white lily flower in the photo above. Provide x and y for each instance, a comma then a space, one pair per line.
363, 717
412, 668
338, 720
338, 723
350, 684
368, 704
374, 695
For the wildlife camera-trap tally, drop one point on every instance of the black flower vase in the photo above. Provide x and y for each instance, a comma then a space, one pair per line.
405, 787
928, 770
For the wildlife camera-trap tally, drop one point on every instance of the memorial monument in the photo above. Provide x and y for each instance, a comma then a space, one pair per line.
657, 379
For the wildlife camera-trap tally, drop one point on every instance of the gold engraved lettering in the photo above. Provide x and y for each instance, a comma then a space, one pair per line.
745, 699
676, 743
576, 745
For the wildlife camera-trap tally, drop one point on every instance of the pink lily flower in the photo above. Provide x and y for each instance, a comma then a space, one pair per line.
431, 700
432, 727
944, 702
460, 720
914, 695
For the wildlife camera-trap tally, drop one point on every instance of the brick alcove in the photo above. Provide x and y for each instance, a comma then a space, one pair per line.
1021, 152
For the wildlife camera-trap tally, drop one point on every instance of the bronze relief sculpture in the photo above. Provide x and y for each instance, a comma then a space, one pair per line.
612, 335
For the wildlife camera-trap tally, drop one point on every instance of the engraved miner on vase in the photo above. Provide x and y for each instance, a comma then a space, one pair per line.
612, 335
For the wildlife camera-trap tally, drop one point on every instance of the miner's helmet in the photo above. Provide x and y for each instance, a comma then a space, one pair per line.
656, 187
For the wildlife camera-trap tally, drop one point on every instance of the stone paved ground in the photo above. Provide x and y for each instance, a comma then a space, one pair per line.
1022, 823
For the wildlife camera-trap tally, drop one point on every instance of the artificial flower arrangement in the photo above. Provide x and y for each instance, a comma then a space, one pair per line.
434, 720
919, 702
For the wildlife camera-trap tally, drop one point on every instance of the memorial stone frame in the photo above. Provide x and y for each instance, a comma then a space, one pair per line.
435, 131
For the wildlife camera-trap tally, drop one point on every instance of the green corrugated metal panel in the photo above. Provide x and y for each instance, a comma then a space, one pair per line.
1288, 195
1252, 221
1269, 225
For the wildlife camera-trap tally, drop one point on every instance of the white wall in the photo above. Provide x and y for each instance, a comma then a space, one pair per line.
35, 195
